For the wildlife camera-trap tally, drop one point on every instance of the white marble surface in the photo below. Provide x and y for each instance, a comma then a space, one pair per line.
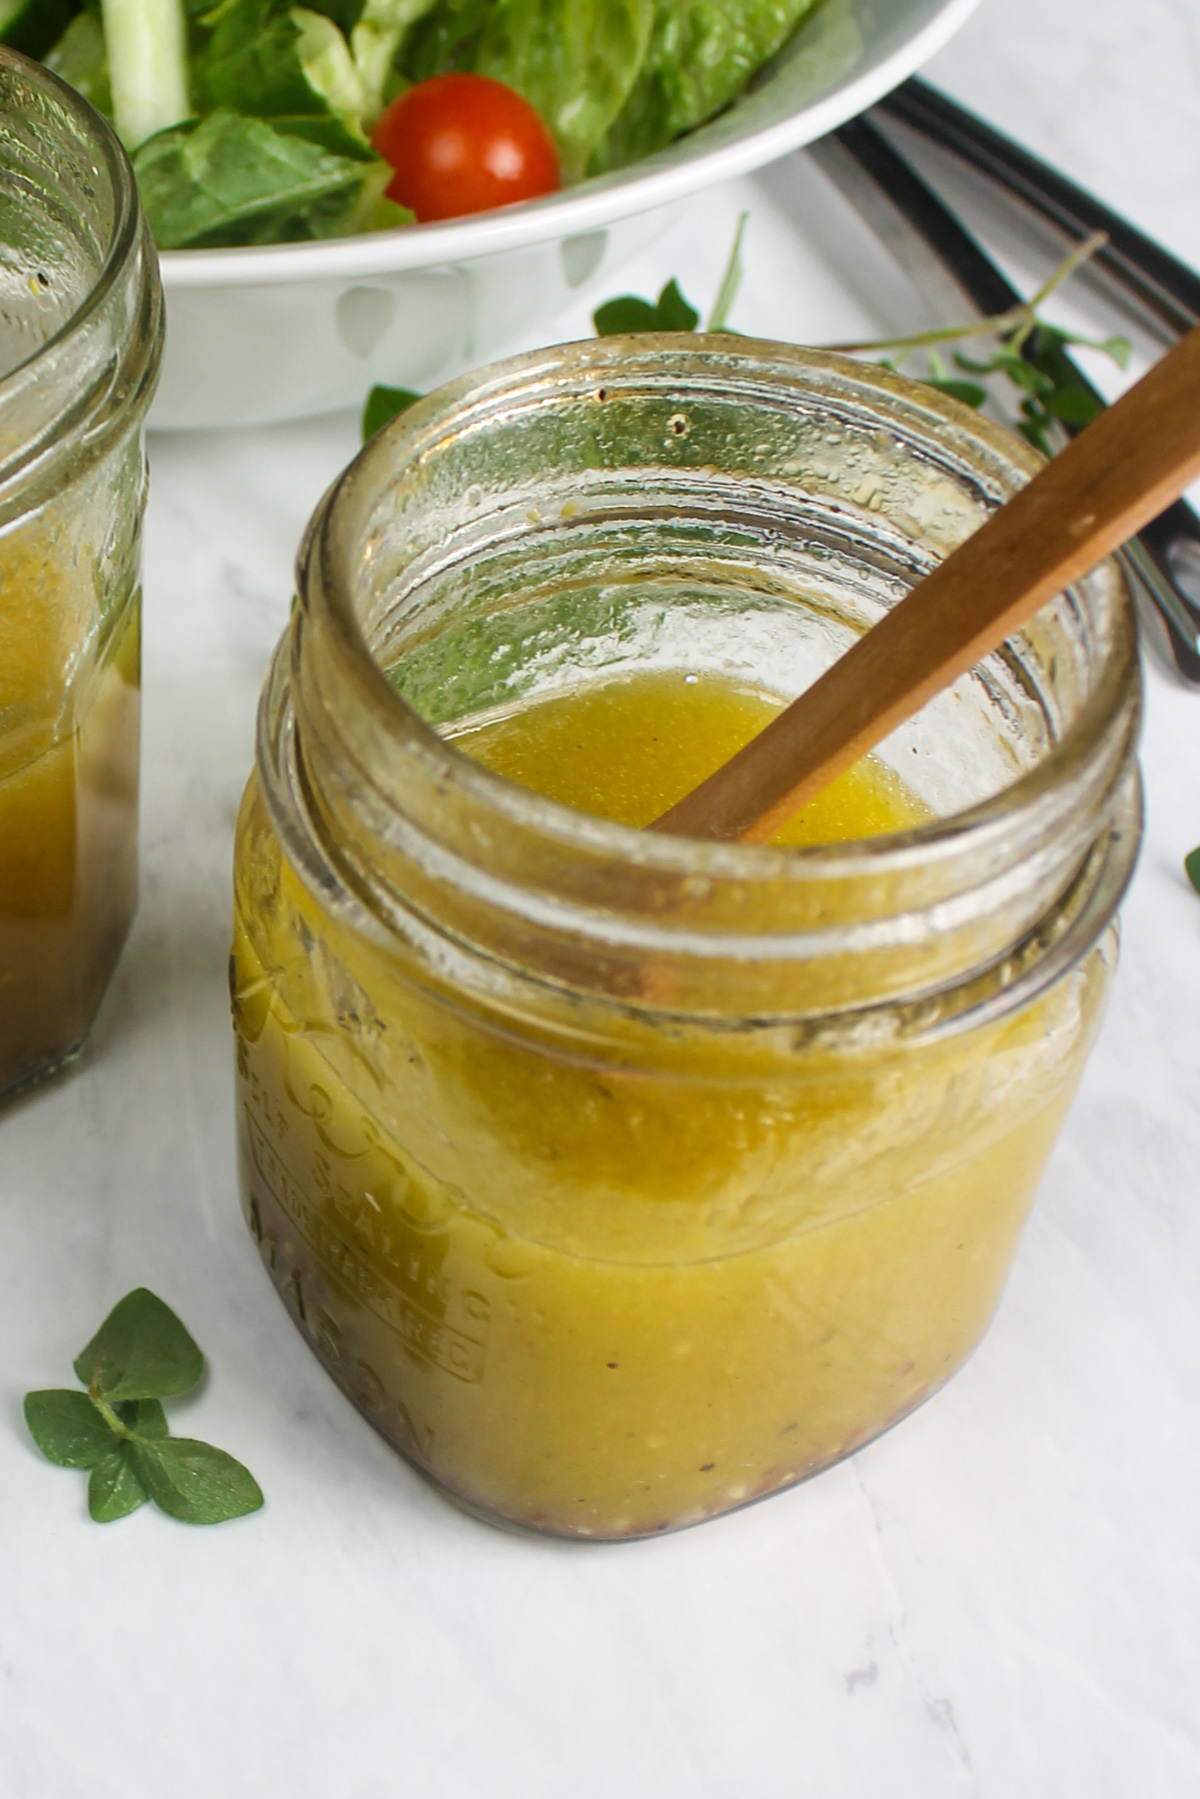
1001, 1598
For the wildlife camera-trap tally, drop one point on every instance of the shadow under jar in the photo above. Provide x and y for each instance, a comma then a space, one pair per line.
80, 345
622, 1179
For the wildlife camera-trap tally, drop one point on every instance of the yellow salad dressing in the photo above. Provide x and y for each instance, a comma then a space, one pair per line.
68, 807
609, 1295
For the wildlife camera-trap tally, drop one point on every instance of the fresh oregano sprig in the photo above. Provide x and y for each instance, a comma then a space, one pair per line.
383, 405
117, 1429
1031, 355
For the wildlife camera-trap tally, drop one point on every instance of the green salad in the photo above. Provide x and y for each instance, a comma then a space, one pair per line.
249, 121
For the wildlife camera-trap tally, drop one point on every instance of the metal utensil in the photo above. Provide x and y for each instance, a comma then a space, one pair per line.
949, 266
1133, 268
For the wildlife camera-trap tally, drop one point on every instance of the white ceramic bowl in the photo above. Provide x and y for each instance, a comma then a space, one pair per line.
259, 335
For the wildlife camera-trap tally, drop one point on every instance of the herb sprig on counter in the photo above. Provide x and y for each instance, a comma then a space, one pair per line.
383, 405
117, 1429
1030, 354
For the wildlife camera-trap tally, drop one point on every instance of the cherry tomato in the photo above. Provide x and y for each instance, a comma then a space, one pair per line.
464, 143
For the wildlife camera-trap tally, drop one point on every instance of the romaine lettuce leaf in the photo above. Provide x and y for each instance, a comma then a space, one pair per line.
574, 60
229, 180
701, 55
332, 72
377, 37
329, 132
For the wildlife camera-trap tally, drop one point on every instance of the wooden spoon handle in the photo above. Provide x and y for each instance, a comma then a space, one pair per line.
1119, 473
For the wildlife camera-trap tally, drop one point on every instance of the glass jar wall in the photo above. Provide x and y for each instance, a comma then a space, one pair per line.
621, 1179
80, 344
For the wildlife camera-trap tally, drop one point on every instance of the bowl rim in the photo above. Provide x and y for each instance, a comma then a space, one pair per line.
656, 181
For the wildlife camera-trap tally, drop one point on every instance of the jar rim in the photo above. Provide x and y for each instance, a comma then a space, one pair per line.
408, 438
123, 234
393, 825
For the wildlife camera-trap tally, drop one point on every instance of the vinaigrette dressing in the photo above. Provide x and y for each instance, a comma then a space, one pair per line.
607, 1298
81, 333
68, 815
629, 749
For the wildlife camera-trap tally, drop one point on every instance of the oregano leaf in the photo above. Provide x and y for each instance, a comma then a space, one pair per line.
1192, 867
1074, 405
141, 1351
625, 315
114, 1489
972, 366
67, 1428
971, 393
674, 312
383, 405
1033, 430
194, 1482
1118, 348
118, 1429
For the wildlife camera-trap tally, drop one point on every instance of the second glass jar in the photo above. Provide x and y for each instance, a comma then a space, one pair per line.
81, 325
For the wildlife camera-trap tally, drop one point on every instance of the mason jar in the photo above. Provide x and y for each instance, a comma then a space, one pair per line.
622, 1179
80, 343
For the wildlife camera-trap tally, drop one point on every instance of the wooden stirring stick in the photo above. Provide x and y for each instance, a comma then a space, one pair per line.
1112, 479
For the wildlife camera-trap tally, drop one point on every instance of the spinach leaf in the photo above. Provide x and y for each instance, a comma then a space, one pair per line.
575, 61
445, 39
251, 64
230, 180
274, 60
33, 26
344, 13
290, 65
701, 55
80, 57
